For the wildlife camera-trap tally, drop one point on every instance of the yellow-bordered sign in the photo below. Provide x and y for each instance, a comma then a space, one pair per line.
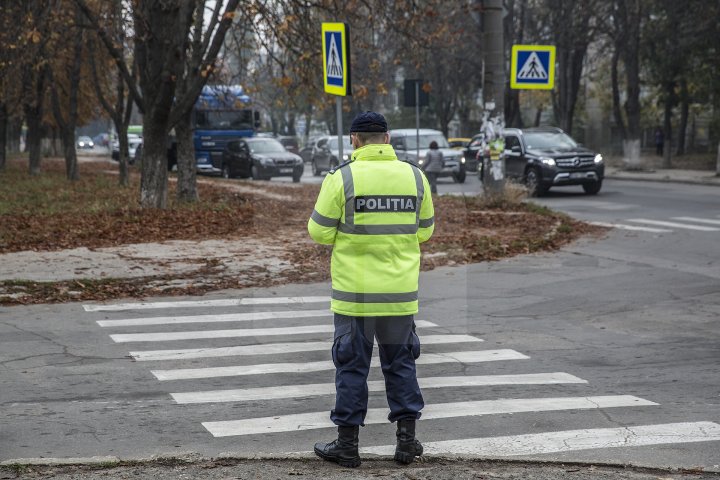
532, 67
336, 58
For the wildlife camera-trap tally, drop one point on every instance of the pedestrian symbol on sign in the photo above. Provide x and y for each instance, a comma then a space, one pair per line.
334, 66
532, 69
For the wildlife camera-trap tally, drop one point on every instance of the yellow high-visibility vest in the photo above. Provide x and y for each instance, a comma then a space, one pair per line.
375, 210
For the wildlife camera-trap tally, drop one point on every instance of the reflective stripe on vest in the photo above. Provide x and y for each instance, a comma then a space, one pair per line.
374, 297
350, 227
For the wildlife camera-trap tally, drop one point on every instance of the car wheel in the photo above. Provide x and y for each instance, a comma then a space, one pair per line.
592, 188
315, 170
533, 177
460, 176
296, 177
225, 171
254, 173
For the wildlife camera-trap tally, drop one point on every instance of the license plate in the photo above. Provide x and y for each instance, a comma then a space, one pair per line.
577, 175
286, 170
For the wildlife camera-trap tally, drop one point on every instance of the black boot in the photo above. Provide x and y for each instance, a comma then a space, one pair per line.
407, 447
344, 450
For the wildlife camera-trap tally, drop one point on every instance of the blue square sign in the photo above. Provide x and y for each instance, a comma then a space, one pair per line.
532, 67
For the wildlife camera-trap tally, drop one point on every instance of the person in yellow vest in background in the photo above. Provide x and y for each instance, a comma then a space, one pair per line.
375, 210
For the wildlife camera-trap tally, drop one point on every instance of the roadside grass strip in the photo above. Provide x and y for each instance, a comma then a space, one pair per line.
303, 367
319, 389
273, 349
317, 420
231, 302
567, 441
228, 317
235, 333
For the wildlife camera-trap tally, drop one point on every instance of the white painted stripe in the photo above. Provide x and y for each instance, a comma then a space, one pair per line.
273, 349
229, 317
317, 389
235, 333
267, 368
695, 219
568, 440
631, 227
229, 302
309, 421
701, 228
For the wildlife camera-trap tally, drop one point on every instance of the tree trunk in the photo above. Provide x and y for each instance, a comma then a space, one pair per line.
187, 176
617, 112
3, 134
684, 113
153, 185
667, 125
34, 138
14, 134
538, 115
717, 162
629, 45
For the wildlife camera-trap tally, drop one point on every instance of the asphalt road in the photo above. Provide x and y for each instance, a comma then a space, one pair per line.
606, 352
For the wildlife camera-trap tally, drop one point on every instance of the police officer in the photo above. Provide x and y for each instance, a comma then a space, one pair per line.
375, 210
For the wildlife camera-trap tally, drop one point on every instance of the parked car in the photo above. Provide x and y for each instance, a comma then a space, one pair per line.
85, 142
458, 143
306, 152
473, 152
546, 157
134, 141
405, 143
325, 155
102, 139
291, 144
260, 158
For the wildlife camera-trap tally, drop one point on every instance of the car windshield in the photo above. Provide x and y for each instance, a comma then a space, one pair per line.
426, 140
549, 140
333, 144
84, 139
265, 145
224, 119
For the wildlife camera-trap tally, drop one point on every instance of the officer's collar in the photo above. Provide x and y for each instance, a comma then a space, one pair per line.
375, 151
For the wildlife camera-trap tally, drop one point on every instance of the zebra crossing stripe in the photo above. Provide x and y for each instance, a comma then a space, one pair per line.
620, 226
303, 367
701, 220
273, 349
231, 302
229, 317
315, 420
235, 333
700, 228
318, 389
568, 440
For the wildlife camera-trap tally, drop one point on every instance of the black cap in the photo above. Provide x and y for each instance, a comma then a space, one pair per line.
369, 122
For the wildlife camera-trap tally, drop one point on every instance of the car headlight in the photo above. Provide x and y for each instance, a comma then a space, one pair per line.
421, 161
462, 159
346, 158
598, 158
548, 161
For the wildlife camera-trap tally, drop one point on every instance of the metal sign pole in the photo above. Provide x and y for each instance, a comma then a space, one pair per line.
338, 107
417, 121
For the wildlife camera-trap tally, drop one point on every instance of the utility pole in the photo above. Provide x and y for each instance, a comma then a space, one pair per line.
493, 92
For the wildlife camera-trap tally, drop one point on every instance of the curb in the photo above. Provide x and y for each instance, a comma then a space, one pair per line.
187, 459
708, 182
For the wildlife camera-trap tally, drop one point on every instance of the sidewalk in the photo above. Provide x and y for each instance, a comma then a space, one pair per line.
700, 177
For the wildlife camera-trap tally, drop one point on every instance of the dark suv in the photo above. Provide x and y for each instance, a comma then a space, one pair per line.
547, 157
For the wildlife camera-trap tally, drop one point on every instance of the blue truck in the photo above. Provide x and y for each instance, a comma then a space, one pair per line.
222, 113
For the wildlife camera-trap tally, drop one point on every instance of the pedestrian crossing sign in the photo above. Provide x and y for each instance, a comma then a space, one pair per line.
532, 67
336, 58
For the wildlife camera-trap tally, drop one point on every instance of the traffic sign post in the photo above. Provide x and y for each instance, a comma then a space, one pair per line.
532, 67
336, 69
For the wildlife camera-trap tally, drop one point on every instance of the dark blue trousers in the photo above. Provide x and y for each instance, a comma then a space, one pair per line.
399, 346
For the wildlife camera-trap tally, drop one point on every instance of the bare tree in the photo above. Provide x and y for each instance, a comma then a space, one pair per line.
162, 36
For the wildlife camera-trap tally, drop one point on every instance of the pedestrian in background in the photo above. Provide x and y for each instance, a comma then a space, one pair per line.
375, 211
433, 165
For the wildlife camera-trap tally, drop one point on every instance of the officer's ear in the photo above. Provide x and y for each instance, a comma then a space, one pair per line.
387, 137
